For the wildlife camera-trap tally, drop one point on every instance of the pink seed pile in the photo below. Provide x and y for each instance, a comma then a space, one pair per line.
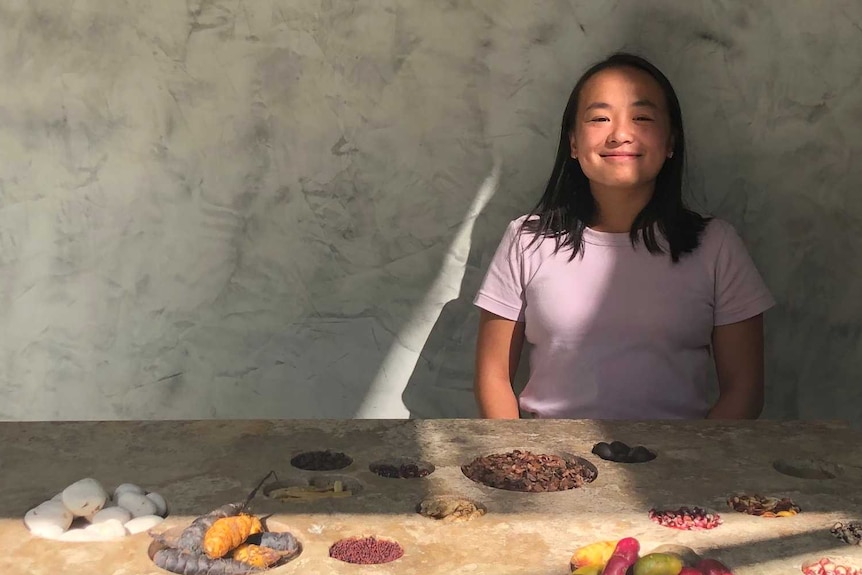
685, 518
365, 550
827, 567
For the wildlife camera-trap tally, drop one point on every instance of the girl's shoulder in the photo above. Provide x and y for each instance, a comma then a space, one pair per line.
720, 239
716, 232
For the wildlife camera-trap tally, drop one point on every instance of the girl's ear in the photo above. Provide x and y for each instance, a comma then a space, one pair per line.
671, 145
573, 146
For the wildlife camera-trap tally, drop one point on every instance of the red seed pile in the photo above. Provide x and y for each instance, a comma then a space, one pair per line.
828, 567
365, 550
685, 518
405, 471
525, 471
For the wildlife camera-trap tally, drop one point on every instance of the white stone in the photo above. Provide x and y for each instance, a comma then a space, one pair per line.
112, 513
127, 488
161, 504
47, 517
143, 523
85, 498
79, 535
137, 504
106, 530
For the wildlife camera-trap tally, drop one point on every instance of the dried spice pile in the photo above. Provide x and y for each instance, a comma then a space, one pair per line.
763, 506
450, 509
685, 518
366, 550
525, 471
405, 471
619, 452
850, 533
321, 461
827, 566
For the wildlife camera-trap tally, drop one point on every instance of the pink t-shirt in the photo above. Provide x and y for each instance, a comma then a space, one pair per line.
621, 333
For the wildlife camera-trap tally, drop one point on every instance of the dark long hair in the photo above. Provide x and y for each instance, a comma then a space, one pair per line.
568, 207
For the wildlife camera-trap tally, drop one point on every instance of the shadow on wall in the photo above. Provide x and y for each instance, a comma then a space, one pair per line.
814, 329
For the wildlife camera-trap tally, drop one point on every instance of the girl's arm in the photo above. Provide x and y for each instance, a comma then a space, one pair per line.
738, 353
498, 351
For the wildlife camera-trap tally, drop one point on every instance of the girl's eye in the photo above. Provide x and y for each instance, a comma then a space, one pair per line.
599, 119
643, 119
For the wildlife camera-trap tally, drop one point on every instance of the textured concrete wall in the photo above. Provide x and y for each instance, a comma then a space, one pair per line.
282, 209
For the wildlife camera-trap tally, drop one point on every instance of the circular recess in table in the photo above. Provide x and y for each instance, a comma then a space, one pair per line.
321, 460
369, 550
279, 545
525, 471
450, 508
807, 468
402, 468
320, 487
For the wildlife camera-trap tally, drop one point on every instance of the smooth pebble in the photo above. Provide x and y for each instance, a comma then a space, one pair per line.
161, 504
143, 523
47, 516
116, 513
136, 503
109, 529
85, 498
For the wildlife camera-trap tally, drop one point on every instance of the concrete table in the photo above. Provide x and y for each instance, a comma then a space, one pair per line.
200, 465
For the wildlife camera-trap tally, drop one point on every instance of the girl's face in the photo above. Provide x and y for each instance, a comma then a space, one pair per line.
621, 135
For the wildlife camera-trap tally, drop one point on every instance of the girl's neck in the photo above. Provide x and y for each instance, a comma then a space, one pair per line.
618, 208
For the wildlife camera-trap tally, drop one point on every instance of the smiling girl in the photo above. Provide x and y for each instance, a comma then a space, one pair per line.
622, 292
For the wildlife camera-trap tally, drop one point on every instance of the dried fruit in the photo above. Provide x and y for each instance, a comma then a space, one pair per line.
227, 533
685, 518
850, 533
526, 471
763, 506
619, 452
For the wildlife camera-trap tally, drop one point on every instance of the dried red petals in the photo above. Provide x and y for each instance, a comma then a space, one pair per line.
685, 518
827, 566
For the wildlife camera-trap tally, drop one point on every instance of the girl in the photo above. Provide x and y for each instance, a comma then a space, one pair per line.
622, 292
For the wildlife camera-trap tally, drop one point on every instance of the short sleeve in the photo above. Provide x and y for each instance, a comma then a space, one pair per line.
740, 292
502, 290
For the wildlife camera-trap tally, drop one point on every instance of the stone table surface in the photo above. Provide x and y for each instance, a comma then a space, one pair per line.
199, 465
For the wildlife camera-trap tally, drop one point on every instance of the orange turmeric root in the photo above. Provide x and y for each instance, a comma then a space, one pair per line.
228, 533
256, 556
